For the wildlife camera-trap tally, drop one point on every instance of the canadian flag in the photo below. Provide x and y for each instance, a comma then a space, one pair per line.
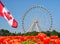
6, 14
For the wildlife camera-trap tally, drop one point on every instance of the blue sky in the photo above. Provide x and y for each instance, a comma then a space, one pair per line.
18, 7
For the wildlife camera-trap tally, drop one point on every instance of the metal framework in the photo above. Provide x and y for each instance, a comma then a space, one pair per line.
35, 23
25, 14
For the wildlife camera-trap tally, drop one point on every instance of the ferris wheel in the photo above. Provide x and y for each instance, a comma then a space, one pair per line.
43, 9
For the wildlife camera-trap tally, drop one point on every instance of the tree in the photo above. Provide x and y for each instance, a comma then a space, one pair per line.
55, 33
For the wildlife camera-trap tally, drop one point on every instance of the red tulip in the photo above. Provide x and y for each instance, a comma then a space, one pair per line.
40, 42
46, 40
34, 39
41, 36
54, 37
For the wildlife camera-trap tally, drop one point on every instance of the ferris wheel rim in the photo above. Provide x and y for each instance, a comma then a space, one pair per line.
38, 6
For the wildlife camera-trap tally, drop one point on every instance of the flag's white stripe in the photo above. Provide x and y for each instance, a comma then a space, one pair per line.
4, 10
9, 21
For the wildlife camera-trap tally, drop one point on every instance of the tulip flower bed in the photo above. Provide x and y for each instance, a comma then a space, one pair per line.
41, 38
